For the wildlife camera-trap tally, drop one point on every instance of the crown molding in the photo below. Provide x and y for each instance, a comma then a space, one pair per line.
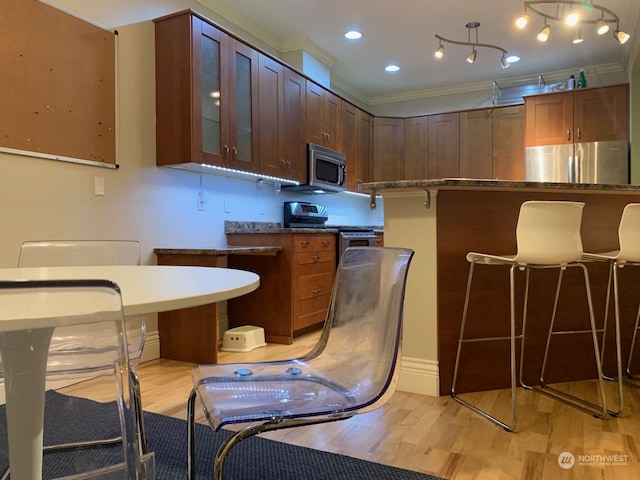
308, 45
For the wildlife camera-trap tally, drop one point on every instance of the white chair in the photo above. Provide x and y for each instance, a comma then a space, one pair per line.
33, 312
547, 236
352, 369
92, 252
628, 255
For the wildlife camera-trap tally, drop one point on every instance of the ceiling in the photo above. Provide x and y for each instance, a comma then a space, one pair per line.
401, 32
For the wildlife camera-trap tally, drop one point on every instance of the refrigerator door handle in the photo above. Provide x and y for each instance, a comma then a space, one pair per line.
576, 165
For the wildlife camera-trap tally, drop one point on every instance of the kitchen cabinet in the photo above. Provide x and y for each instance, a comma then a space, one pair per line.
295, 285
416, 148
323, 116
589, 115
388, 149
206, 95
379, 241
508, 143
281, 121
355, 144
476, 143
444, 145
348, 141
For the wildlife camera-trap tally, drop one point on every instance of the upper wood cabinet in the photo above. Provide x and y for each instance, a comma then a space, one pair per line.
444, 145
355, 143
281, 94
476, 143
206, 95
388, 149
508, 143
364, 151
589, 115
416, 148
323, 116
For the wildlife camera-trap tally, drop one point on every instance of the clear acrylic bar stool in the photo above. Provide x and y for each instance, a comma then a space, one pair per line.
547, 236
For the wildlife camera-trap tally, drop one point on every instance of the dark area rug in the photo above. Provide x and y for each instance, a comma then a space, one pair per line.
252, 459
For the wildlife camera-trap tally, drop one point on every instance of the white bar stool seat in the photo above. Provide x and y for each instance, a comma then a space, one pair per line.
547, 236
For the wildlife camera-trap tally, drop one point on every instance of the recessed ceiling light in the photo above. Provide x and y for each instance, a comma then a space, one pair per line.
353, 35
513, 58
392, 68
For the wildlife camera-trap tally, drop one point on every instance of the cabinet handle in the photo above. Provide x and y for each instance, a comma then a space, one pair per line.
288, 166
326, 243
304, 244
282, 164
328, 138
235, 153
225, 157
568, 134
315, 258
316, 291
579, 134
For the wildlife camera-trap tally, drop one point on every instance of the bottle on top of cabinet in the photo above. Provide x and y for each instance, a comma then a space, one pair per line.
571, 84
582, 80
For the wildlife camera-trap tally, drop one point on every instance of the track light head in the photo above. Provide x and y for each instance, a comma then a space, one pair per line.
505, 63
543, 36
621, 36
522, 20
440, 51
472, 56
602, 27
578, 38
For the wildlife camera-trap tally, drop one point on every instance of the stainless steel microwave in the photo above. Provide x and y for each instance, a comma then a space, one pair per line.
326, 171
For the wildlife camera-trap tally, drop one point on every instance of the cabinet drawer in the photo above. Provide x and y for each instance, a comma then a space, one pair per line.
307, 269
314, 257
314, 243
310, 311
322, 282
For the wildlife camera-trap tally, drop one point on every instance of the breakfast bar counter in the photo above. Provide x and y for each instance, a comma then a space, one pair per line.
443, 220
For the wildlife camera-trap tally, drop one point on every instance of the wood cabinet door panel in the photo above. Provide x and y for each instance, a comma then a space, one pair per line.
601, 114
364, 160
270, 114
549, 119
295, 121
314, 285
444, 145
476, 144
388, 149
310, 312
508, 143
416, 148
314, 93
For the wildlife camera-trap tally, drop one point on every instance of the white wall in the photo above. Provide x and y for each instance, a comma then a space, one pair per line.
46, 199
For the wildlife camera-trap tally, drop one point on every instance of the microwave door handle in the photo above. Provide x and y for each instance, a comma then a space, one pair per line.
343, 174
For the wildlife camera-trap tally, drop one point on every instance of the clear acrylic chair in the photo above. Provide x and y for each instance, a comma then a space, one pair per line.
34, 312
547, 236
67, 253
628, 255
352, 369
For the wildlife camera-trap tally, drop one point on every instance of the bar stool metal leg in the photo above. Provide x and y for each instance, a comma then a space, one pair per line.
599, 411
512, 338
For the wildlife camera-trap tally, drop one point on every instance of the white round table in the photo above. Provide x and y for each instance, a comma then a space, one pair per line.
144, 289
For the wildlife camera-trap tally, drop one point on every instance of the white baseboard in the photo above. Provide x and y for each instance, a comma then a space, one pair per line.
419, 376
151, 349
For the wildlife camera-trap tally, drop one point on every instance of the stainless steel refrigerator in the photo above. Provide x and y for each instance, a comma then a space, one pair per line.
594, 162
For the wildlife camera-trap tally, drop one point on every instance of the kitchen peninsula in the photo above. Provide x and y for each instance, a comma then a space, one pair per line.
443, 220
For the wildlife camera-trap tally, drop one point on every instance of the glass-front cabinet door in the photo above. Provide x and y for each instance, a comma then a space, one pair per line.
227, 72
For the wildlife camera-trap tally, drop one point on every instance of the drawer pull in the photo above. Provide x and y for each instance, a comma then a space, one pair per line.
316, 258
316, 291
305, 244
326, 243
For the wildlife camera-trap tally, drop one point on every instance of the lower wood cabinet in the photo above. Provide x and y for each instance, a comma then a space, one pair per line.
295, 285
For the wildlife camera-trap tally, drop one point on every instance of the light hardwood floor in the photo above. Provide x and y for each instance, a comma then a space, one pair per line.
438, 435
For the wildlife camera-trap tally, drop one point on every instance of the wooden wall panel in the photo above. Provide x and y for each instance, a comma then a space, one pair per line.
57, 83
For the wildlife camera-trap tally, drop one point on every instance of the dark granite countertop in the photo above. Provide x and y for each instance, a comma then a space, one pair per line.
466, 183
270, 250
276, 227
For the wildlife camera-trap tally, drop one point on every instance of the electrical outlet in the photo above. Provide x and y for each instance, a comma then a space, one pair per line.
227, 205
98, 186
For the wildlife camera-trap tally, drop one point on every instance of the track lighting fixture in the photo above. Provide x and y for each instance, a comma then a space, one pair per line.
471, 58
574, 13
